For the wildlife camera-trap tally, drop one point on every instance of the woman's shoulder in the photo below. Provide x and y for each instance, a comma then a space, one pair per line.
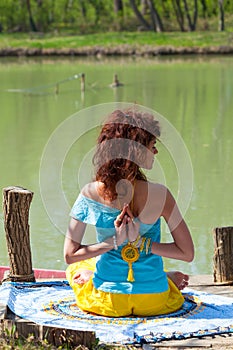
158, 188
89, 190
149, 200
88, 209
93, 191
151, 187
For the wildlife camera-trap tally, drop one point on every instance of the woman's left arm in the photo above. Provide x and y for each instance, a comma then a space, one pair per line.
182, 247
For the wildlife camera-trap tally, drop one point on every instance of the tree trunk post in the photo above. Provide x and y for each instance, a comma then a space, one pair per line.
16, 203
223, 255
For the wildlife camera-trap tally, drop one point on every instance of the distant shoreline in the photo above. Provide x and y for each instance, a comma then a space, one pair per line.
121, 50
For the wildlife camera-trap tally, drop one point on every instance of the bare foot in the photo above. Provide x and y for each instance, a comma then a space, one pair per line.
82, 276
179, 278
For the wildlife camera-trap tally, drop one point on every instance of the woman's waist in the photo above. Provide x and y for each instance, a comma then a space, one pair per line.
155, 284
113, 272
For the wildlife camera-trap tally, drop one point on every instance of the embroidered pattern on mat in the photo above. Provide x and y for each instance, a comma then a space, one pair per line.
67, 308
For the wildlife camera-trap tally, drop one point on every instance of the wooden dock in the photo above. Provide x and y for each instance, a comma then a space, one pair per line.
57, 336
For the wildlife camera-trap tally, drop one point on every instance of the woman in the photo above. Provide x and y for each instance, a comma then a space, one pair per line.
122, 274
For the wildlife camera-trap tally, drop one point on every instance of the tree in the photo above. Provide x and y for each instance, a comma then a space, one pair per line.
83, 8
221, 16
144, 6
156, 20
118, 6
99, 8
138, 14
179, 14
118, 11
204, 8
191, 23
31, 20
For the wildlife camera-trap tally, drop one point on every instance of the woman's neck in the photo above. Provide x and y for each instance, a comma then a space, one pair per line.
124, 193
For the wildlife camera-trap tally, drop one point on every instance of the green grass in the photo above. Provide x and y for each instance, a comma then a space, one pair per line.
176, 39
8, 340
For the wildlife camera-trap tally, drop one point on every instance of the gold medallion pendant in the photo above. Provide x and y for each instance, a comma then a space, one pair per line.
130, 254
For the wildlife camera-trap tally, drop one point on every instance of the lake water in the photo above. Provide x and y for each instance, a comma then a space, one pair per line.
39, 149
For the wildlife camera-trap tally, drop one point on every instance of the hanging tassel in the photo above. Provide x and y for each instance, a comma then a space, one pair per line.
130, 254
130, 273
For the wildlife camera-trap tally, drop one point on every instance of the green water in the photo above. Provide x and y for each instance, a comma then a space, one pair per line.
194, 95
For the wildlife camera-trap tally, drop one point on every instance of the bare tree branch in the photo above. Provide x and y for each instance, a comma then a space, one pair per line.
139, 15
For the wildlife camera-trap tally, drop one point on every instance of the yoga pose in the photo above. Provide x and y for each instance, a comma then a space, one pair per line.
123, 274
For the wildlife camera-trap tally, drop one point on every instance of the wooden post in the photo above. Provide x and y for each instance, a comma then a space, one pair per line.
83, 82
16, 203
223, 255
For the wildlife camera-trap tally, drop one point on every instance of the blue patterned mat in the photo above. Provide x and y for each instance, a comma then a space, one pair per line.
53, 304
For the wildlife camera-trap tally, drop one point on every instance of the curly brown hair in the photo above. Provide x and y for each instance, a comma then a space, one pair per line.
121, 148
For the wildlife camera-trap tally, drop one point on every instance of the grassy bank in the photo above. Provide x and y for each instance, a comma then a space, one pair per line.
174, 39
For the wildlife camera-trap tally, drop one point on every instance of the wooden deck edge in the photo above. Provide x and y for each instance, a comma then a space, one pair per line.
54, 335
61, 336
3, 311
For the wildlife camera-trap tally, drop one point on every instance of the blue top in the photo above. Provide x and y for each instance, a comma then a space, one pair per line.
111, 270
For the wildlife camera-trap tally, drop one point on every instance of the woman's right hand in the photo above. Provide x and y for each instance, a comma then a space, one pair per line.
125, 226
121, 227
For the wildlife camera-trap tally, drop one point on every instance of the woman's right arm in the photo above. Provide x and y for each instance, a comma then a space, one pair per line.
75, 251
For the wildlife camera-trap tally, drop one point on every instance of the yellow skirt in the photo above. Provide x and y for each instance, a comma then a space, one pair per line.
90, 299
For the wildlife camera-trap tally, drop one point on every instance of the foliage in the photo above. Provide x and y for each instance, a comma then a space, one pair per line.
88, 16
9, 340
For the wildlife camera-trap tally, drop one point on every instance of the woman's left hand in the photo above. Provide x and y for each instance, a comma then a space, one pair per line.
131, 225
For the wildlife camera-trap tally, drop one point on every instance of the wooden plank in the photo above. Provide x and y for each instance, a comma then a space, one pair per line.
205, 283
54, 335
38, 273
217, 342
